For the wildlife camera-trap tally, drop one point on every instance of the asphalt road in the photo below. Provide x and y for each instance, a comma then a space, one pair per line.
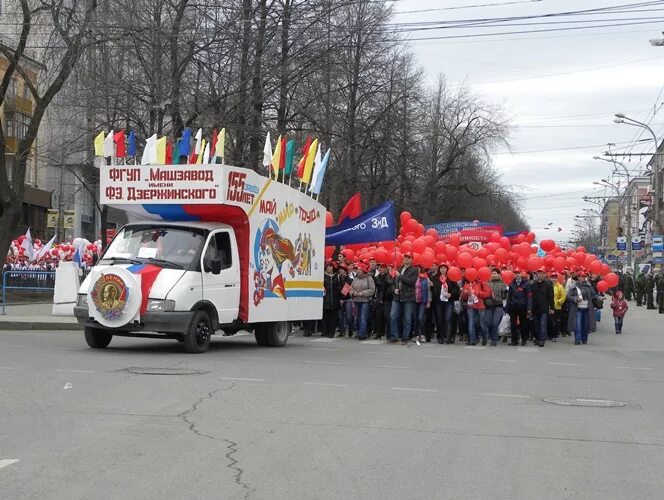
332, 420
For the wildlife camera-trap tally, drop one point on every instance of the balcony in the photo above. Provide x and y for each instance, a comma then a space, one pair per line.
18, 104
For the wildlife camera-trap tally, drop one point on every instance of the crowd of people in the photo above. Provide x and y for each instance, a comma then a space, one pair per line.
373, 300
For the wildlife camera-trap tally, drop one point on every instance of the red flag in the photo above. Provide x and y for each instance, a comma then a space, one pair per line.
213, 145
305, 150
352, 209
169, 153
282, 158
119, 139
192, 158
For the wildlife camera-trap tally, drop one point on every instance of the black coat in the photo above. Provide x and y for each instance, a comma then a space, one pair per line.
332, 299
342, 283
542, 296
406, 282
436, 287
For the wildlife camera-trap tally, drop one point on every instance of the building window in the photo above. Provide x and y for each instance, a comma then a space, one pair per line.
16, 125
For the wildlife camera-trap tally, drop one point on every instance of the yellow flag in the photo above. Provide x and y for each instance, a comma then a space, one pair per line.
309, 163
161, 151
99, 144
221, 145
199, 160
276, 157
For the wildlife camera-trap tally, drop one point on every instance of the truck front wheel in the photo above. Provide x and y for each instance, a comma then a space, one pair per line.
96, 338
197, 339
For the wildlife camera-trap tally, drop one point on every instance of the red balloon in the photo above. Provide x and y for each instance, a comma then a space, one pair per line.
483, 252
432, 232
454, 240
398, 259
534, 263
441, 258
596, 267
329, 252
495, 236
430, 240
420, 229
521, 238
407, 247
451, 252
329, 220
454, 273
381, 256
612, 279
602, 286
439, 247
505, 243
479, 262
484, 273
581, 249
410, 238
412, 225
580, 258
348, 253
523, 248
419, 245
471, 274
547, 245
405, 217
387, 245
530, 237
427, 260
559, 264
507, 277
570, 262
465, 259
502, 255
492, 246
605, 269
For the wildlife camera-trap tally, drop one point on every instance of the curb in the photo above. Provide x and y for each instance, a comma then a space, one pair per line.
38, 325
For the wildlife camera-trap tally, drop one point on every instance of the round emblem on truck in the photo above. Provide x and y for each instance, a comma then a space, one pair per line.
110, 295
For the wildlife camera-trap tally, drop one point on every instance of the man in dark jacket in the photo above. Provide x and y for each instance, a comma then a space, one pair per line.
331, 300
650, 288
628, 285
380, 279
640, 288
543, 305
403, 306
434, 314
519, 307
659, 282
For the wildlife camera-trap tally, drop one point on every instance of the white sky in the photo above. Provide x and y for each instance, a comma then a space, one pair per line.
545, 81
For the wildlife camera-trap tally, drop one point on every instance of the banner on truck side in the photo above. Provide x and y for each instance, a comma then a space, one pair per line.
139, 184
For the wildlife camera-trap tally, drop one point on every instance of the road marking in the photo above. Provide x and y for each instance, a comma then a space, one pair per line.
239, 379
75, 371
68, 386
563, 364
390, 366
373, 342
505, 395
7, 461
528, 349
13, 345
323, 384
381, 352
476, 347
438, 356
7, 368
324, 339
324, 349
251, 357
322, 362
413, 389
632, 368
501, 360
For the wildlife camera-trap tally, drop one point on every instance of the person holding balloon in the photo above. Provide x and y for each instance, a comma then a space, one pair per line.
473, 293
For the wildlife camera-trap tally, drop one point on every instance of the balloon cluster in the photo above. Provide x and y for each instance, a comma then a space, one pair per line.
476, 261
58, 251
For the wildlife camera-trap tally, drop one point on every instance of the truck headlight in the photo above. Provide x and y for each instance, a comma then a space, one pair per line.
82, 300
159, 305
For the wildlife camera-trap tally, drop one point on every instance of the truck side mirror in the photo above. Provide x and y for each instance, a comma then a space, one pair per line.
215, 266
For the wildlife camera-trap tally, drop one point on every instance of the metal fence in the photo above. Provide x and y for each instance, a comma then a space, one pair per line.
28, 281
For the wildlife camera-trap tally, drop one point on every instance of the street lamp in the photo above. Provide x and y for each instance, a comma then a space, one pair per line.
622, 118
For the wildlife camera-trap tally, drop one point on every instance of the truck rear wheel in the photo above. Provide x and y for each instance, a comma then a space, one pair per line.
278, 333
197, 339
97, 338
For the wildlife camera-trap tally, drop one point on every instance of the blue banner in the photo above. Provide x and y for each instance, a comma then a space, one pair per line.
377, 224
454, 227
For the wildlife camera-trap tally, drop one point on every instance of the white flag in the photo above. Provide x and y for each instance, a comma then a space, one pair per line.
45, 249
206, 154
109, 145
199, 138
27, 245
150, 152
317, 165
267, 152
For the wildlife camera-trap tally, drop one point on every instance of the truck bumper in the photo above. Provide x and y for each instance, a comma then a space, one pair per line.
163, 322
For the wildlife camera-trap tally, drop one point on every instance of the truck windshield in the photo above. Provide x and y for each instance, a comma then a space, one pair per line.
165, 246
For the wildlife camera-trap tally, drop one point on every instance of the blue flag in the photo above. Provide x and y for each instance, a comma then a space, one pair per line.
76, 258
131, 147
184, 148
377, 224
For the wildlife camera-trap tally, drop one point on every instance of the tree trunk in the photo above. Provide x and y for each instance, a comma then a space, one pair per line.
255, 146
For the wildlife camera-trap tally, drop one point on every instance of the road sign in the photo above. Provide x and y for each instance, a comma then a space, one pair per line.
621, 243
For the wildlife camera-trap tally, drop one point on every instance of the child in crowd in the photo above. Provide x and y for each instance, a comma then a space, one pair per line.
619, 306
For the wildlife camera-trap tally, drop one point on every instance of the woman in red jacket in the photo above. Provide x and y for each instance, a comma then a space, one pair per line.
474, 294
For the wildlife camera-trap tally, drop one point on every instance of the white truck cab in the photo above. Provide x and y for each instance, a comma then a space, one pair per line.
232, 264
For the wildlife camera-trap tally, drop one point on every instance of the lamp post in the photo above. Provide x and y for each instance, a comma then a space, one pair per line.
629, 203
622, 118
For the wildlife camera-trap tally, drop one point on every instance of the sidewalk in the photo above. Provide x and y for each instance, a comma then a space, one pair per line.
35, 317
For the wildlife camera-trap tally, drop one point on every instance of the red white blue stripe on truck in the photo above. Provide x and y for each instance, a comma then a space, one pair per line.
148, 273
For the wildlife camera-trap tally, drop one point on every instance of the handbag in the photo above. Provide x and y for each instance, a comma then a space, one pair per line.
598, 302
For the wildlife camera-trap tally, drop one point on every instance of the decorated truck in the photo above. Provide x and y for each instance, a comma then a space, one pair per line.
213, 248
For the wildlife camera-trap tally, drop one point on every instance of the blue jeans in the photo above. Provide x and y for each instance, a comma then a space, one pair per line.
493, 317
541, 324
349, 317
618, 320
448, 309
476, 322
581, 332
399, 311
362, 309
421, 315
